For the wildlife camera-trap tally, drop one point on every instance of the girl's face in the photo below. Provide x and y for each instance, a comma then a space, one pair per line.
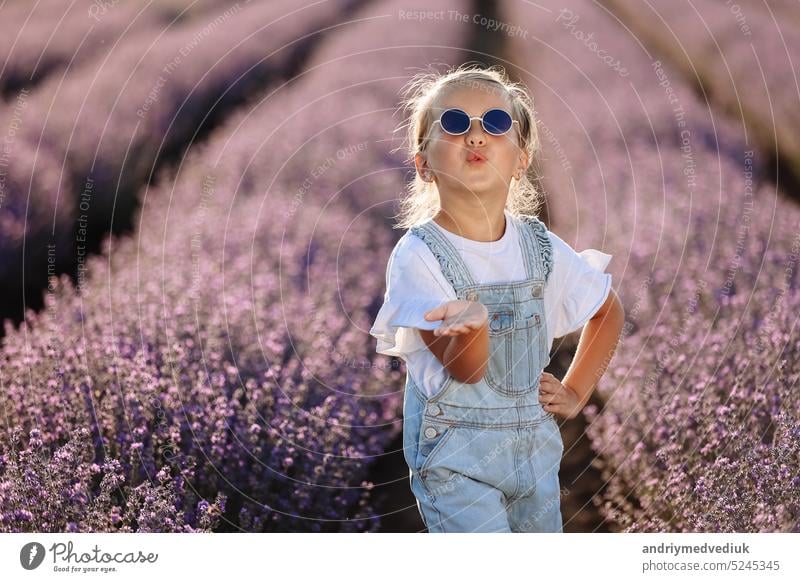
447, 159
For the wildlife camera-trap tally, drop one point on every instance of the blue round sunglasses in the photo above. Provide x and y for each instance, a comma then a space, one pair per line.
457, 122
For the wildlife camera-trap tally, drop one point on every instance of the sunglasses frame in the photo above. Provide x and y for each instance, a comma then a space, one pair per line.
481, 117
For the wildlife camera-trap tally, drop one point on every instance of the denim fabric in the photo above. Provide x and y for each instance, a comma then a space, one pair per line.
484, 457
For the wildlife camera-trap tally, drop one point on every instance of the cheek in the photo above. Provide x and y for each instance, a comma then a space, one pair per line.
445, 151
507, 157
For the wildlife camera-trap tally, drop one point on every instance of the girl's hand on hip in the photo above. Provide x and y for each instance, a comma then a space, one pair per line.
458, 317
558, 398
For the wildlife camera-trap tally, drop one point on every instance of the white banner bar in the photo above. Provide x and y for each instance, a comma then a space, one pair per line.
389, 556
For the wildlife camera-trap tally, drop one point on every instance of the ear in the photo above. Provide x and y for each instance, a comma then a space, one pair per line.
523, 161
422, 166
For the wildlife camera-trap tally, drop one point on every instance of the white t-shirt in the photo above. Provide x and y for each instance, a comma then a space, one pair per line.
575, 290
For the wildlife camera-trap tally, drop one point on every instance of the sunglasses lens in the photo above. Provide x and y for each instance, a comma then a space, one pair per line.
455, 121
497, 121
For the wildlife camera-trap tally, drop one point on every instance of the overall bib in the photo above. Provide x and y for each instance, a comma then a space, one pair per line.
484, 457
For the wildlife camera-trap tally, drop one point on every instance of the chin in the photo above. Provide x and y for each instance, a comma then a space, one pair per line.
481, 184
477, 185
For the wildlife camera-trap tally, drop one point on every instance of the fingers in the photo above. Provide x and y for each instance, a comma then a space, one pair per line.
548, 378
551, 390
443, 329
551, 398
449, 330
549, 384
453, 329
435, 313
456, 325
554, 408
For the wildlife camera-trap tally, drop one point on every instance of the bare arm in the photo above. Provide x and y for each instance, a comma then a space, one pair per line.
599, 339
596, 347
461, 343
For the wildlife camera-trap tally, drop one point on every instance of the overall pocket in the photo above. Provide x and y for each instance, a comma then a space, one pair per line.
501, 329
539, 354
535, 324
516, 349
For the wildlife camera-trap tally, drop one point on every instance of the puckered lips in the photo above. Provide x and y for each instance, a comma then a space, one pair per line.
475, 157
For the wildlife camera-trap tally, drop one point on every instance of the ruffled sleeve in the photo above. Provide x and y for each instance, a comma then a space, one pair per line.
580, 285
411, 290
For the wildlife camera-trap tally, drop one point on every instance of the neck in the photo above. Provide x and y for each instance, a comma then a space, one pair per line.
481, 223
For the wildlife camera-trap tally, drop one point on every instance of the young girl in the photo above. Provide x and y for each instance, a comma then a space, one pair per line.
476, 291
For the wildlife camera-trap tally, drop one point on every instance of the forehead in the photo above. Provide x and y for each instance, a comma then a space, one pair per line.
474, 97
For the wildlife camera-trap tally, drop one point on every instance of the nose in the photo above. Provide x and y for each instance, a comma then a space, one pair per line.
475, 136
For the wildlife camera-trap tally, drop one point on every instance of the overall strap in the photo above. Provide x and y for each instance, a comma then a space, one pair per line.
452, 264
536, 245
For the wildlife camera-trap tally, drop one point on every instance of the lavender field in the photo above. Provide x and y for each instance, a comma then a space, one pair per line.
697, 424
196, 204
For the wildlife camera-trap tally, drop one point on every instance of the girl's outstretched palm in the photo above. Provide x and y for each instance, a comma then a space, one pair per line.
458, 317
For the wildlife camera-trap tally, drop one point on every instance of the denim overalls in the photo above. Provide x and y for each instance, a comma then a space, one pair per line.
484, 457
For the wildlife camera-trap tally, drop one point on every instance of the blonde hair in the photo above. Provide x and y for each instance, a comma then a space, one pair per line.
421, 199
